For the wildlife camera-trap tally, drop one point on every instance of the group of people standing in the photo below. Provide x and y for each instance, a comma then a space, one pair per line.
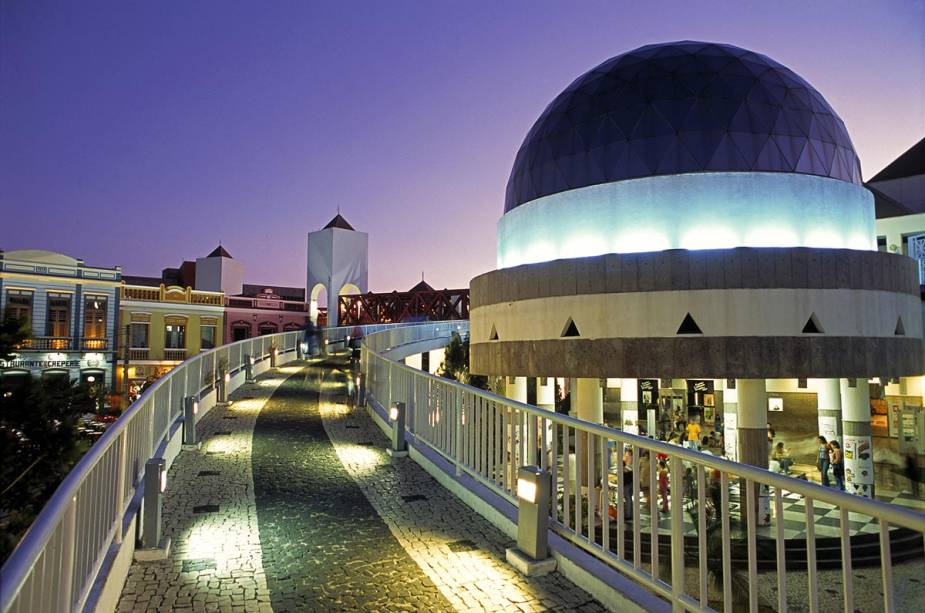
830, 455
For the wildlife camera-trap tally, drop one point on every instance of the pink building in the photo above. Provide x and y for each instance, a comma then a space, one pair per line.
260, 310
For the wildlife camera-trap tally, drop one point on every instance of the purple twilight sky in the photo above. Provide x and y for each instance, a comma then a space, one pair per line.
143, 133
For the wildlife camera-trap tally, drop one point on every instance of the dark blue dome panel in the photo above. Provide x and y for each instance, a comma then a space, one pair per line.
676, 108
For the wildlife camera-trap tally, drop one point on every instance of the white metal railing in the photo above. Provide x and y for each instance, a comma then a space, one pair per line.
59, 558
605, 505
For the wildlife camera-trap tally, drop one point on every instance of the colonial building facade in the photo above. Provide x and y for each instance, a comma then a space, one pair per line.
164, 325
71, 311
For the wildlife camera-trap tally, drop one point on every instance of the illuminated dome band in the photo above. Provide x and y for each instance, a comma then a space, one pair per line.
689, 211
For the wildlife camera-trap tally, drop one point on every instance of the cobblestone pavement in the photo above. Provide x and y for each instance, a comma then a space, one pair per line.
461, 552
215, 560
341, 527
324, 546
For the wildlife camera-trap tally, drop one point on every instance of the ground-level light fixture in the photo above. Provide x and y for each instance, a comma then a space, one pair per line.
155, 484
398, 448
531, 556
190, 409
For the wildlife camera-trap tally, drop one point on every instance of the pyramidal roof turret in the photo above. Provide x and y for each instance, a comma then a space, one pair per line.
339, 222
219, 252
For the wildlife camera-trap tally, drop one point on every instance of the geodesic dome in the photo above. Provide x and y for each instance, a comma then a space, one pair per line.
681, 107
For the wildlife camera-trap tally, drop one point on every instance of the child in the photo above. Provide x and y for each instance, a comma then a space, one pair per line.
663, 485
783, 458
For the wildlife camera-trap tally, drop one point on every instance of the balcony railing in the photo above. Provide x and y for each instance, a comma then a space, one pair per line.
175, 355
95, 344
138, 353
47, 343
172, 294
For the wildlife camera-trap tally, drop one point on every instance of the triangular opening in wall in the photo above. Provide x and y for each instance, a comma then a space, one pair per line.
493, 336
570, 329
689, 326
812, 325
900, 328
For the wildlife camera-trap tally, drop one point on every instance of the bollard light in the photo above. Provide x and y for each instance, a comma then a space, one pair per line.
397, 416
190, 409
248, 369
155, 486
526, 490
531, 556
221, 391
273, 357
361, 395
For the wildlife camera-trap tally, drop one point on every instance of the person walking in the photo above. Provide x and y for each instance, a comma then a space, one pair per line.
629, 506
838, 464
822, 460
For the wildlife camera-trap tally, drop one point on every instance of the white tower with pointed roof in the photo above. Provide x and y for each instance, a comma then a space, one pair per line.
219, 272
338, 263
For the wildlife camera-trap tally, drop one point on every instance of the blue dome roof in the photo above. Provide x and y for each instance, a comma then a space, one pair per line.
681, 107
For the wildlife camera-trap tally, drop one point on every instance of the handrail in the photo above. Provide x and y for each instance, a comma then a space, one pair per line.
110, 470
895, 514
47, 570
488, 436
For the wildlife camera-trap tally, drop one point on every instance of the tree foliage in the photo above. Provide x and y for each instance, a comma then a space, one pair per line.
39, 445
13, 332
456, 363
38, 438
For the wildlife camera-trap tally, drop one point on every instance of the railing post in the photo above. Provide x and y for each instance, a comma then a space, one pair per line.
69, 536
389, 399
677, 534
120, 488
457, 403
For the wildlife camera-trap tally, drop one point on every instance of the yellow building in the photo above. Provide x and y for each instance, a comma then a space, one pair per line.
164, 325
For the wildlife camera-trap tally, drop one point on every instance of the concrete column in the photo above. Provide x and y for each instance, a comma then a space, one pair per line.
731, 423
629, 405
856, 442
828, 400
588, 402
333, 302
516, 390
752, 437
546, 394
436, 362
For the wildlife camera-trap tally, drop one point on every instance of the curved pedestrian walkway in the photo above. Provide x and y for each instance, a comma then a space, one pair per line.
291, 504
